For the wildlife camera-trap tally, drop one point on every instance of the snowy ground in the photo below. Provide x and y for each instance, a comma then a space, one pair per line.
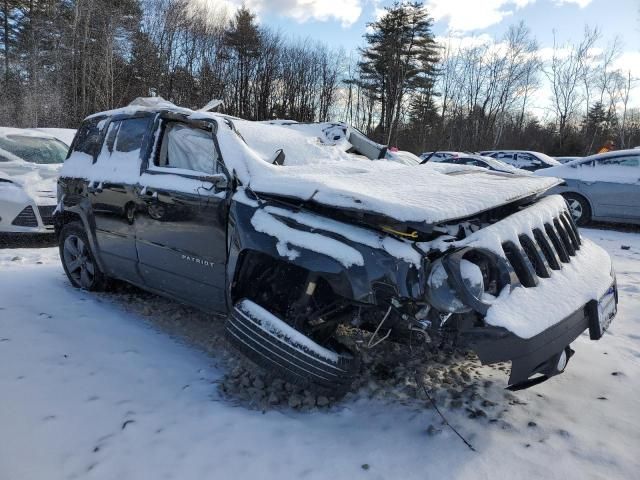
95, 386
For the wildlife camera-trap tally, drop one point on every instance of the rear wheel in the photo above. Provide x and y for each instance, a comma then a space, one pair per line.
579, 208
77, 259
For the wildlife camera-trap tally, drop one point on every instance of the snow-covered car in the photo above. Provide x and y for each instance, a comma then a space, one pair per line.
29, 165
483, 162
567, 159
65, 135
603, 187
297, 237
439, 155
523, 159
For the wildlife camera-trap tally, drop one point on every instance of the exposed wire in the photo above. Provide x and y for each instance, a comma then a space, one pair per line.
444, 419
370, 345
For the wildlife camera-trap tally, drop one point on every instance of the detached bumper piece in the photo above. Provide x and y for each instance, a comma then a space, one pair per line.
536, 359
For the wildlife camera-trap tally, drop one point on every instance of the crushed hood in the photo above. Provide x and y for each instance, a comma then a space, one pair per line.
38, 181
318, 168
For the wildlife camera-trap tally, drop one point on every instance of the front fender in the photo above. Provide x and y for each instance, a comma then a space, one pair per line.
358, 281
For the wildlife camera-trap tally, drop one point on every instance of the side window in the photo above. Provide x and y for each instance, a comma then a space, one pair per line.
187, 148
621, 161
131, 133
88, 138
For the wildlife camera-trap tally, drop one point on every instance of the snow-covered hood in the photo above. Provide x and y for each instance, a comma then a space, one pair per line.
326, 174
38, 181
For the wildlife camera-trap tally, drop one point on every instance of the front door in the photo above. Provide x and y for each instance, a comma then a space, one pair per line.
181, 215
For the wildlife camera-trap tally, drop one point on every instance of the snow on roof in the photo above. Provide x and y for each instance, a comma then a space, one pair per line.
65, 135
317, 167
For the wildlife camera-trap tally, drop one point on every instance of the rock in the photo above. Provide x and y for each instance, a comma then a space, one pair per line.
273, 399
322, 401
258, 383
245, 381
309, 400
295, 401
16, 259
532, 424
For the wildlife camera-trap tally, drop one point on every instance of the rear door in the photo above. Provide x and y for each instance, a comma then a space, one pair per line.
112, 194
613, 186
181, 215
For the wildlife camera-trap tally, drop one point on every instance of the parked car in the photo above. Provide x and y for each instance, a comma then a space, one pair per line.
567, 159
440, 155
483, 162
65, 135
292, 232
603, 187
29, 163
525, 160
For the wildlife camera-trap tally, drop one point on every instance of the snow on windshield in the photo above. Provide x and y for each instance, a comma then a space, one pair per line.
31, 147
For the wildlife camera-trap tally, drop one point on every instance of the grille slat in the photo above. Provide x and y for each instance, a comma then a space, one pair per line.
564, 237
521, 264
557, 243
26, 218
547, 249
535, 256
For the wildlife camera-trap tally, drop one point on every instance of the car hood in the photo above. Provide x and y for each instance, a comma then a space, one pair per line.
38, 181
422, 194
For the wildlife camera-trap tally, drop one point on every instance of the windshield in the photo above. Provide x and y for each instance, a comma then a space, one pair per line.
34, 149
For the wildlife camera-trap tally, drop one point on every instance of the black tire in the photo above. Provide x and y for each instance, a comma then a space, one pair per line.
287, 353
77, 259
579, 208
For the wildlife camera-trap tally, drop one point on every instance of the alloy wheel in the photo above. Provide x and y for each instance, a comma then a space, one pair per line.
78, 261
576, 209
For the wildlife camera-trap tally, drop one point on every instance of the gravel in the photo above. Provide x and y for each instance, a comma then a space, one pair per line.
391, 372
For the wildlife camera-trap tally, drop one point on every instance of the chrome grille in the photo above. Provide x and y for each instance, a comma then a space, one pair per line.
539, 252
26, 218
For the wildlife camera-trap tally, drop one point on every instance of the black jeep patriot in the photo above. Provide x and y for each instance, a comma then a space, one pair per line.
291, 230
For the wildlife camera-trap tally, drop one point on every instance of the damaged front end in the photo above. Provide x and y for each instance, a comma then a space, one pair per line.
511, 288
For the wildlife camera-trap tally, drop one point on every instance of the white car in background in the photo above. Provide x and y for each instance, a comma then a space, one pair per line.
30, 162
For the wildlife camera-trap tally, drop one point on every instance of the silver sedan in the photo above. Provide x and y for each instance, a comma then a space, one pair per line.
603, 187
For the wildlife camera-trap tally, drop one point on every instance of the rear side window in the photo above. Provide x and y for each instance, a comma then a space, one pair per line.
88, 138
131, 134
621, 161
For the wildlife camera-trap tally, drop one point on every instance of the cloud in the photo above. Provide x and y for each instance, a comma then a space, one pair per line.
346, 12
466, 15
579, 3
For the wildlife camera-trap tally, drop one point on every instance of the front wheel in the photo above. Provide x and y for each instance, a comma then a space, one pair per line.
77, 259
579, 208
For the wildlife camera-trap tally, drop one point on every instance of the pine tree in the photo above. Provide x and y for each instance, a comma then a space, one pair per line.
399, 59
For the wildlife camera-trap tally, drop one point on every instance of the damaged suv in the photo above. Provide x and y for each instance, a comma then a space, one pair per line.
295, 232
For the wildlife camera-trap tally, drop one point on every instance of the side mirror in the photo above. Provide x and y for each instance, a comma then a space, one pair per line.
219, 181
279, 157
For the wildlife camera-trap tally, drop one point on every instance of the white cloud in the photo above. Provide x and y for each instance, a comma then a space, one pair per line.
346, 12
579, 3
466, 15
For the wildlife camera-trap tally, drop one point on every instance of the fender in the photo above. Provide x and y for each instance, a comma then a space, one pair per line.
81, 210
355, 282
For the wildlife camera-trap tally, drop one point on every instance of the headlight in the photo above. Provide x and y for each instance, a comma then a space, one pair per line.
466, 280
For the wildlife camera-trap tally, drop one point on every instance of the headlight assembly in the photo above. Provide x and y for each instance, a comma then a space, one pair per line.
467, 280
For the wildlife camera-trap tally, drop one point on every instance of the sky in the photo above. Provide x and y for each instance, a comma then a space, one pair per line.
341, 23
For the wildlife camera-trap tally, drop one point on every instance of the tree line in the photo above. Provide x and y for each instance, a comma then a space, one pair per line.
65, 59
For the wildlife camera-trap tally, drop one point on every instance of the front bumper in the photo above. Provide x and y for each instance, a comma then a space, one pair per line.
538, 354
23, 215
